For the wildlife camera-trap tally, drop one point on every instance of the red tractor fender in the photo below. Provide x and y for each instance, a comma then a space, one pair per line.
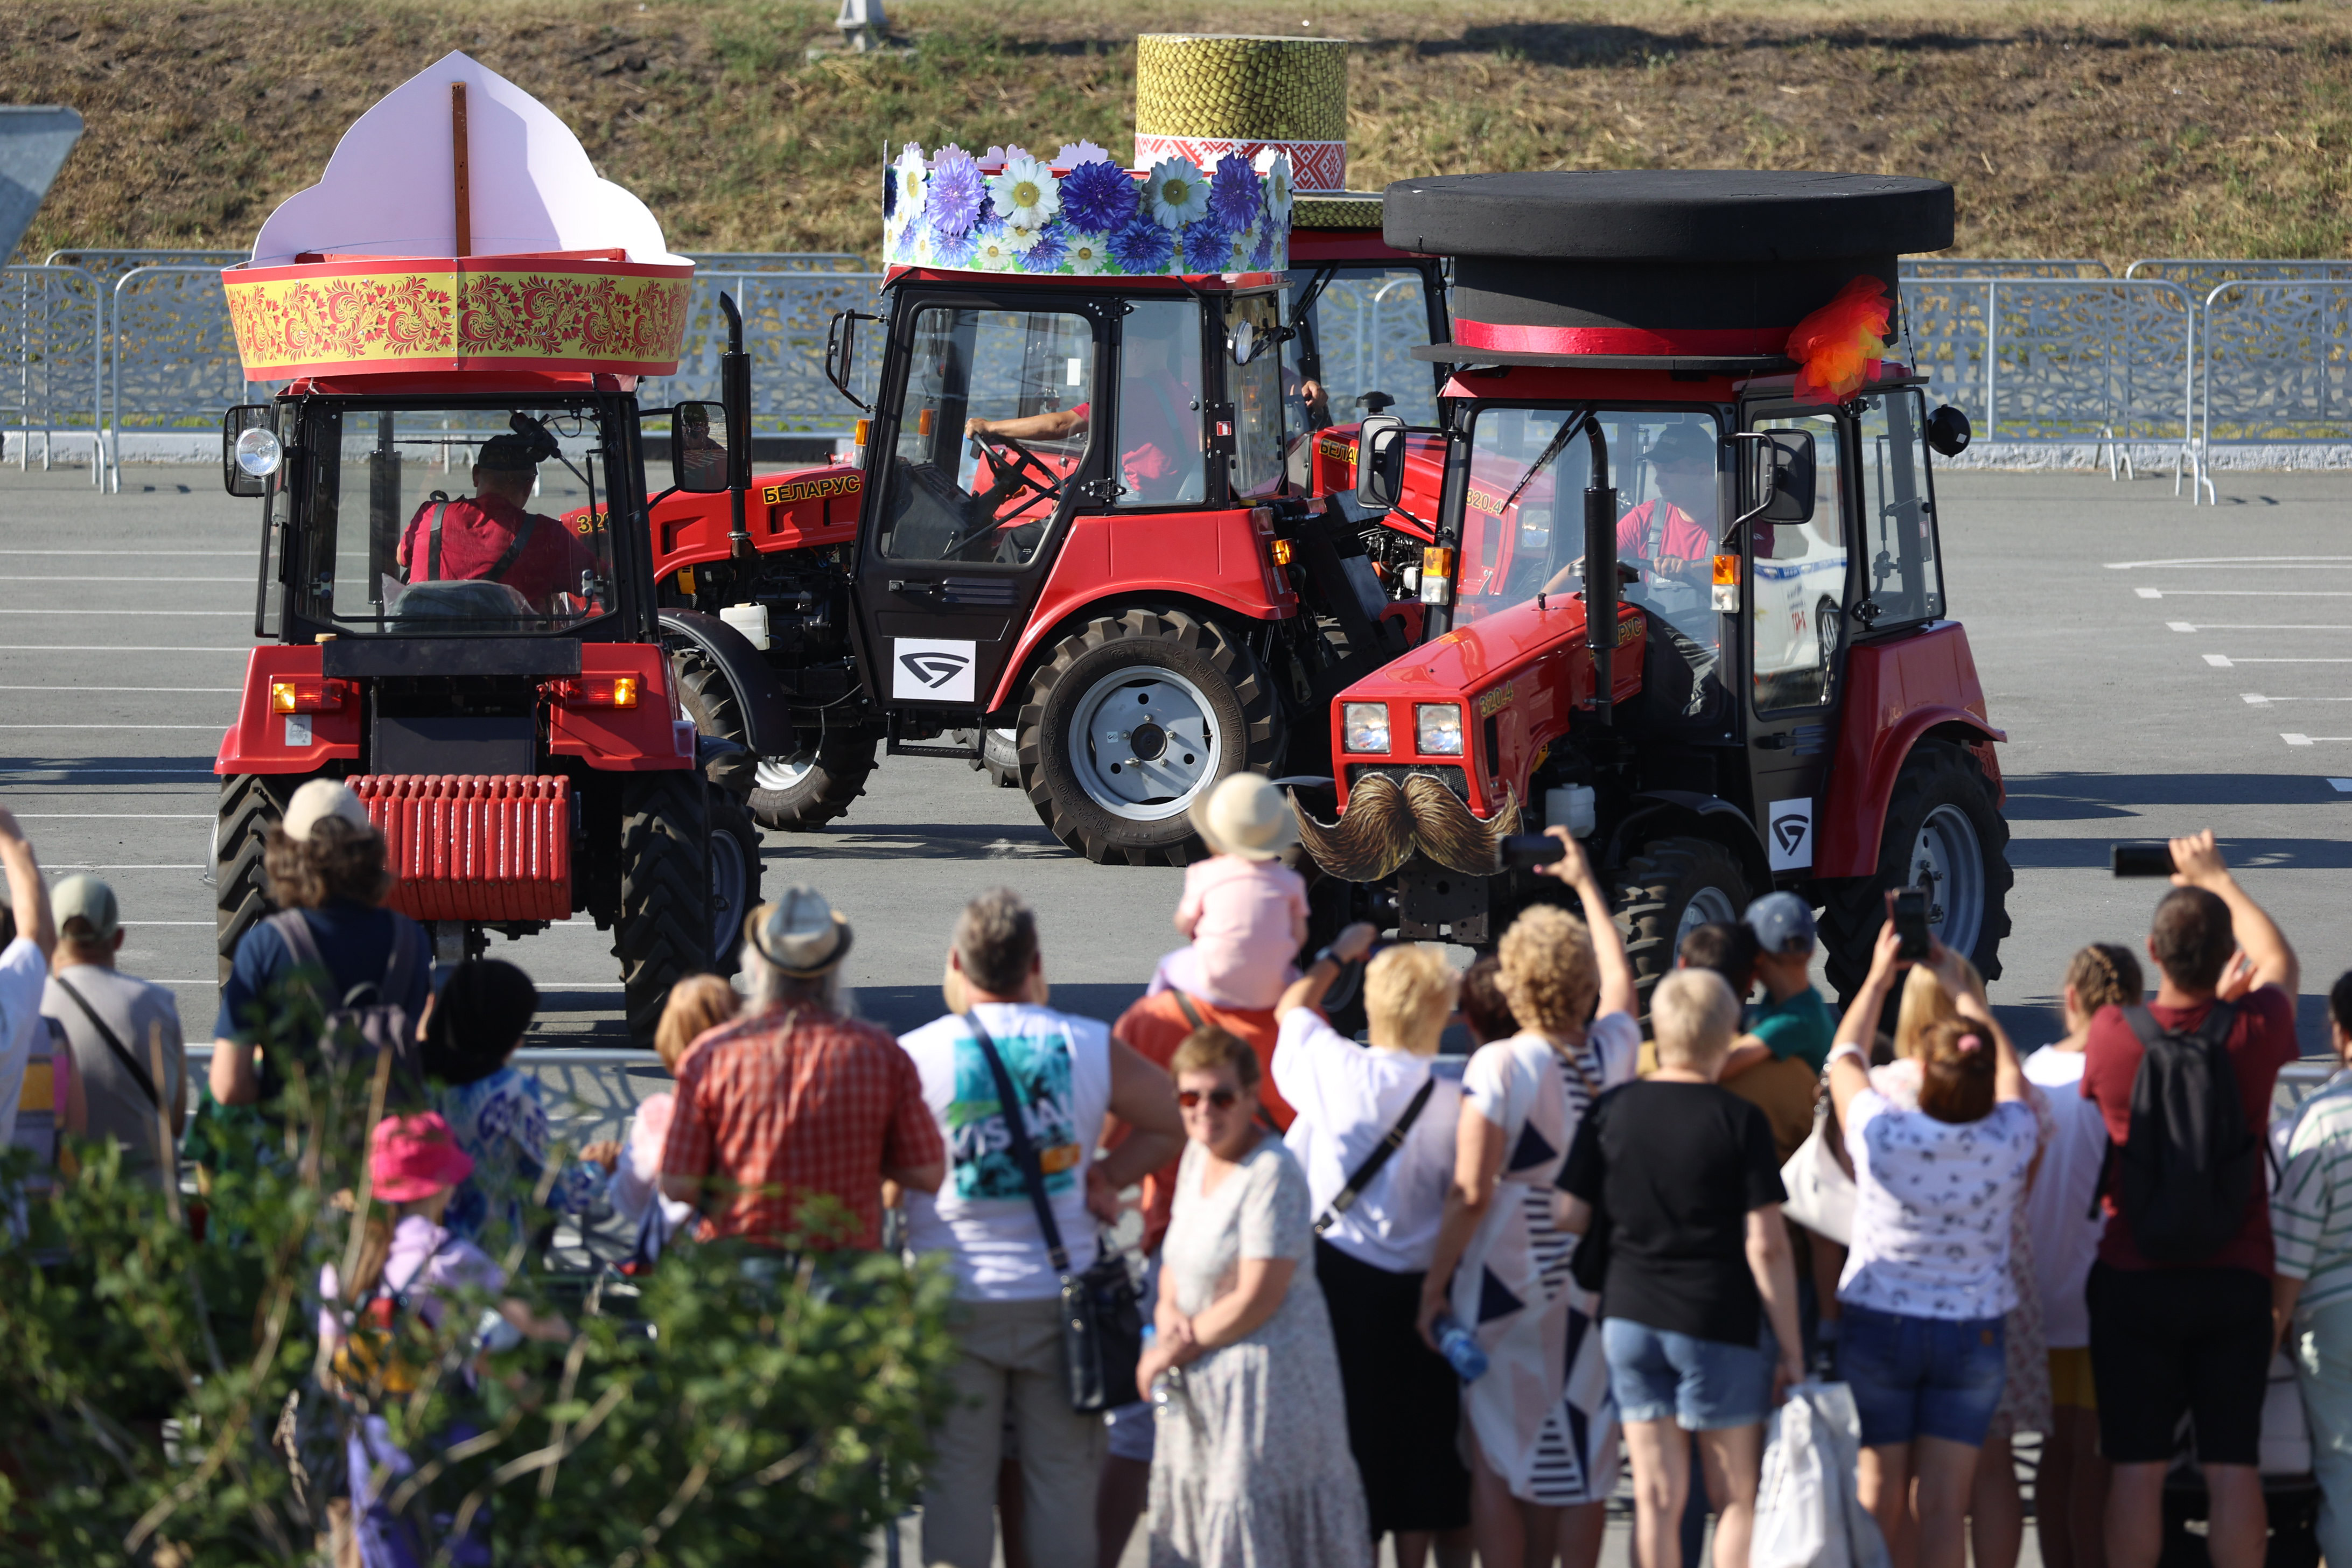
261, 741
1897, 691
1221, 560
794, 509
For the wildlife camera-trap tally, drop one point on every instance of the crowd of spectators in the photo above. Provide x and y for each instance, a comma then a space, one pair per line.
1385, 1297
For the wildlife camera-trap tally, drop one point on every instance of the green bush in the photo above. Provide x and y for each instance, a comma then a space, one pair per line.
162, 1403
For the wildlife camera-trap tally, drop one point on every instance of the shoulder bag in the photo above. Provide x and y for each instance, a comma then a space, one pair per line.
1363, 1174
1102, 1325
129, 1063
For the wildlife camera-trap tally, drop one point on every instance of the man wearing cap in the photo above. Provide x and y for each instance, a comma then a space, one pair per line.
1793, 1023
125, 1031
491, 536
797, 1103
30, 936
325, 861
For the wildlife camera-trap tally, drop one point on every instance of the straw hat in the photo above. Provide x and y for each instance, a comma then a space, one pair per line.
1247, 815
800, 933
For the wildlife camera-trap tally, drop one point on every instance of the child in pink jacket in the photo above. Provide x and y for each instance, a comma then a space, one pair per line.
1243, 910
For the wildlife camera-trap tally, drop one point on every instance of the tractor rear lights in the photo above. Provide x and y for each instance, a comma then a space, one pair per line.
595, 691
1285, 551
1437, 729
1726, 585
299, 695
1437, 575
1364, 728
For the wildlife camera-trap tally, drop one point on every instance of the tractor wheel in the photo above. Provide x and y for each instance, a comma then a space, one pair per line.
735, 868
666, 925
1000, 755
704, 691
250, 806
1131, 722
1671, 887
802, 794
1944, 832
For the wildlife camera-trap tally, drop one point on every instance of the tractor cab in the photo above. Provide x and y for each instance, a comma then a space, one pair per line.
456, 599
1684, 591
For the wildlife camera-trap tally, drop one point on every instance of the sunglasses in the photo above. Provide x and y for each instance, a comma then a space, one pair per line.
1223, 1099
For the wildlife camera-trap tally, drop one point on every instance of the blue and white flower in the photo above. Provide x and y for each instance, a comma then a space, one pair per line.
1274, 167
906, 189
992, 249
1143, 248
1086, 254
1026, 194
1098, 197
1176, 193
1247, 243
1234, 193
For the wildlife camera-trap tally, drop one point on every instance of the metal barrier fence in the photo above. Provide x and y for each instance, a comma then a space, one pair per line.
2041, 361
2276, 356
2030, 267
50, 330
785, 315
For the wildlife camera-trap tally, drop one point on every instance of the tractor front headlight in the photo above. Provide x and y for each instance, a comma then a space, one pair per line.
1437, 729
1364, 727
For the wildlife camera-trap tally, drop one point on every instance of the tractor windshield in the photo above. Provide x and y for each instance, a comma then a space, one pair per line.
437, 520
1523, 516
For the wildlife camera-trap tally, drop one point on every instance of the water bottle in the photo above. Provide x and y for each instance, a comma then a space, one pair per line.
1457, 1345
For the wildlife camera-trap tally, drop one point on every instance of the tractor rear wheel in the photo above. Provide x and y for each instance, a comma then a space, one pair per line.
735, 868
1131, 721
1673, 886
250, 806
1944, 832
664, 932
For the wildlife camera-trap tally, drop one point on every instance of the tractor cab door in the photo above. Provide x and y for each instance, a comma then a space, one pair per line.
989, 439
1799, 581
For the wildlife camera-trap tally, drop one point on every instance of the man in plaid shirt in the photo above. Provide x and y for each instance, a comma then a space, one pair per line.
797, 1103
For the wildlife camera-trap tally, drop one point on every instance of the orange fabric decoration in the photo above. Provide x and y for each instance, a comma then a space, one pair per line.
1838, 347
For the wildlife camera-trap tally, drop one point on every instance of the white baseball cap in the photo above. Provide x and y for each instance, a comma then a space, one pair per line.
319, 800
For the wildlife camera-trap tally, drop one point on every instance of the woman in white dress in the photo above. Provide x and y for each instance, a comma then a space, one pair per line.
1542, 1428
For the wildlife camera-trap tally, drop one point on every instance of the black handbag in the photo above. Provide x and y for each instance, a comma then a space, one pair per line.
1102, 1323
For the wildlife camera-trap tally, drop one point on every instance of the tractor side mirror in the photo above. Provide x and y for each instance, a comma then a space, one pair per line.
1245, 341
250, 452
1947, 431
1780, 476
698, 447
1380, 461
840, 354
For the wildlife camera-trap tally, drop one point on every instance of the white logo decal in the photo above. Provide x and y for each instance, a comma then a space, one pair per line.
298, 728
1788, 833
932, 669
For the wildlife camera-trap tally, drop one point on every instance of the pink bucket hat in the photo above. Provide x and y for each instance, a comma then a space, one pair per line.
413, 1157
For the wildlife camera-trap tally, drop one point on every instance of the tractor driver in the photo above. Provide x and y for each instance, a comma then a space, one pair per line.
1669, 537
1158, 415
491, 536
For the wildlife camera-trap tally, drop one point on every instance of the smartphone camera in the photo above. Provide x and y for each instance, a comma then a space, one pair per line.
1911, 923
1526, 851
2142, 860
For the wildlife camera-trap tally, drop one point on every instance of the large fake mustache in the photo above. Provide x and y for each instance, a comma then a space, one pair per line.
1386, 821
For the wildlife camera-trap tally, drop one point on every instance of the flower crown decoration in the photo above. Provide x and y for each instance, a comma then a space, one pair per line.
1082, 214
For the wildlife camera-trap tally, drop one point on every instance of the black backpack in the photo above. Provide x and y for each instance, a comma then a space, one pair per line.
373, 1016
2185, 1173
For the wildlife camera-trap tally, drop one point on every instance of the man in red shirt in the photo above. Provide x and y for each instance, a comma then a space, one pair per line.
1158, 419
1671, 538
797, 1103
2169, 1339
491, 536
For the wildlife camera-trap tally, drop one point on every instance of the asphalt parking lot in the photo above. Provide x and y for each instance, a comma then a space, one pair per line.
2158, 667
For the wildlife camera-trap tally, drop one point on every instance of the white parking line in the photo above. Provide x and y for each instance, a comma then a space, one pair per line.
200, 690
2257, 700
126, 866
2243, 563
2224, 661
124, 612
145, 550
245, 580
114, 648
5, 770
2343, 786
2244, 592
2258, 626
109, 726
114, 817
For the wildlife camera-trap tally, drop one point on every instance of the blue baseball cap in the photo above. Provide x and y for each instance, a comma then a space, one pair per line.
1782, 923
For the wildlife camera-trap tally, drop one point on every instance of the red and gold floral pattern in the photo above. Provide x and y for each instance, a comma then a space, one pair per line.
345, 317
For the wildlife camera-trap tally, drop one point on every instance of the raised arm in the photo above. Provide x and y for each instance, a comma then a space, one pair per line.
2198, 864
29, 897
1617, 993
1308, 989
1850, 1052
1050, 427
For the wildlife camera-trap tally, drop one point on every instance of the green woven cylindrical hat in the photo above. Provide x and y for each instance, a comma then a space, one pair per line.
1203, 97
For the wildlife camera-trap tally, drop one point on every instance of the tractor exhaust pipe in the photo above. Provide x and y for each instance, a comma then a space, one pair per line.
735, 393
1601, 574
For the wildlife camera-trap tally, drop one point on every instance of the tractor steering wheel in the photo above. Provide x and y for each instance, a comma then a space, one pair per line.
1005, 471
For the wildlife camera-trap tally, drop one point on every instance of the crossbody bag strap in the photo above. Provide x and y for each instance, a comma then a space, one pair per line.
515, 546
432, 548
1024, 1153
1191, 1012
130, 1063
1380, 1156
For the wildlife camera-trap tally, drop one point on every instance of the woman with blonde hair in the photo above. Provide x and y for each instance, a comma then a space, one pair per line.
1541, 1469
697, 1005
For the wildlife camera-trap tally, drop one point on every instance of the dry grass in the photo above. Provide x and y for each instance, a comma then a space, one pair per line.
2113, 129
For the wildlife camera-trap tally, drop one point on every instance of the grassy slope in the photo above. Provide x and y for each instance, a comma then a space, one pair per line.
2113, 129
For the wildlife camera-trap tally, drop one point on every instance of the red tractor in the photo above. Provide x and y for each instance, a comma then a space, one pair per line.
1080, 545
1684, 592
491, 682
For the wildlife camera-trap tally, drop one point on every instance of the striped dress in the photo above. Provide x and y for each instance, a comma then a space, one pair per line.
1542, 1413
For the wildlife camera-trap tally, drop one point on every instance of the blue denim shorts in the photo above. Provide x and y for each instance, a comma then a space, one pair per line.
1921, 1377
1703, 1385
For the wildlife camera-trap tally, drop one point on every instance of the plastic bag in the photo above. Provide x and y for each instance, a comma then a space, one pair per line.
1809, 1513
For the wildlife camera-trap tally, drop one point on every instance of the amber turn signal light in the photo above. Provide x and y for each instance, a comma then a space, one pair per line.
306, 696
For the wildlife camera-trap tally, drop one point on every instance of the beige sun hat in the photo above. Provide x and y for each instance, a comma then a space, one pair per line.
800, 933
1247, 815
319, 800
